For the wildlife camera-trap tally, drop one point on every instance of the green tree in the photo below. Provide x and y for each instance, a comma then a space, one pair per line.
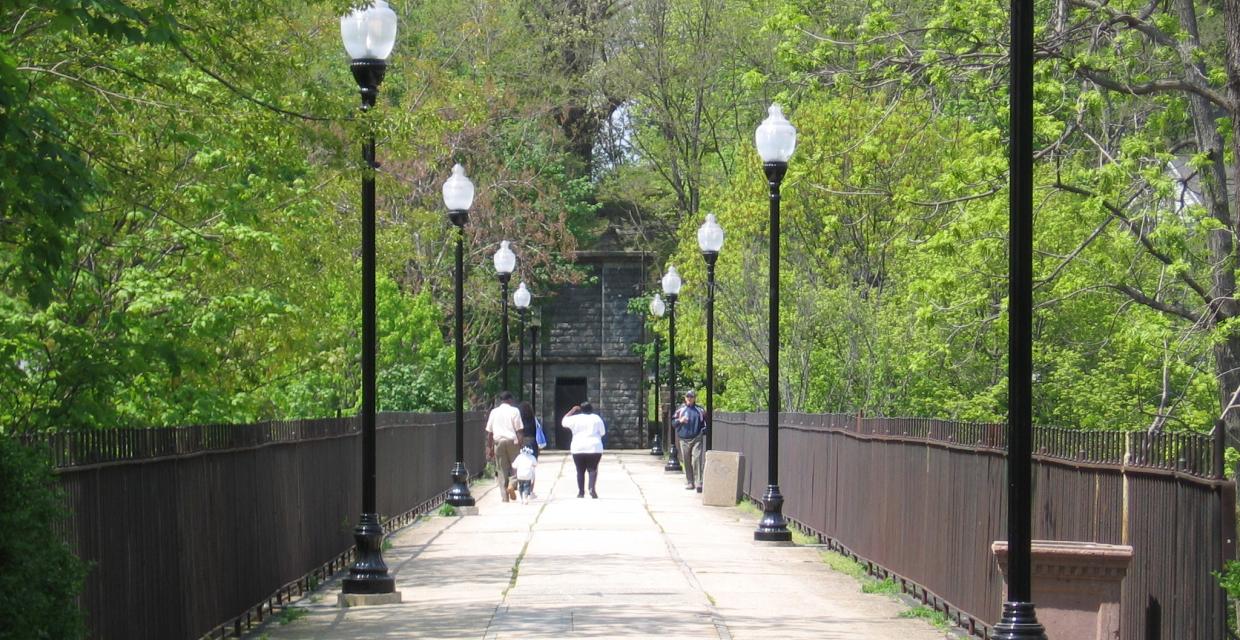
40, 578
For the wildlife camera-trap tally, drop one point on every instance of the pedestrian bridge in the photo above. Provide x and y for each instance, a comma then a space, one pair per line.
214, 531
645, 560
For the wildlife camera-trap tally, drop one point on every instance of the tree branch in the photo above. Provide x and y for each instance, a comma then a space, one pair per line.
1166, 307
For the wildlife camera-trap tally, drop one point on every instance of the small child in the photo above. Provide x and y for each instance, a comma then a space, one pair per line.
523, 468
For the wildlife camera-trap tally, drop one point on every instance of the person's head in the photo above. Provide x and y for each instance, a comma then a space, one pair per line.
527, 412
690, 397
505, 397
586, 407
527, 451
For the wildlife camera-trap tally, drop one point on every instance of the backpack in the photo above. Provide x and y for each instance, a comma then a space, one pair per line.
539, 436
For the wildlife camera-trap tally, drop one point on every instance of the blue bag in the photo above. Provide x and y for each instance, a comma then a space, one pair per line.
539, 436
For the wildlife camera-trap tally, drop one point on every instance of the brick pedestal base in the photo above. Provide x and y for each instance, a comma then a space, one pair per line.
1076, 586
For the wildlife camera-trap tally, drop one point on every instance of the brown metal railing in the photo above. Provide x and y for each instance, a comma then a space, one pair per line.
920, 501
195, 531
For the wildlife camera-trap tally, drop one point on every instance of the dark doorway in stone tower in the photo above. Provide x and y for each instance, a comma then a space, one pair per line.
568, 392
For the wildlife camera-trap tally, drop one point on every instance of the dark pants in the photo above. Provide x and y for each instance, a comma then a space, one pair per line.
586, 462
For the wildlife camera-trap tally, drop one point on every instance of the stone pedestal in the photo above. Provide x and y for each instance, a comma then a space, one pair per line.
721, 478
1076, 587
368, 599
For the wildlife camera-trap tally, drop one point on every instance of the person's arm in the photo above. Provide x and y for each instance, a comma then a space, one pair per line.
489, 440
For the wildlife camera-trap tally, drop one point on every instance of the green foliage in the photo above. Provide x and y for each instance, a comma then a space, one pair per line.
936, 618
40, 578
886, 586
1230, 579
181, 245
447, 510
289, 615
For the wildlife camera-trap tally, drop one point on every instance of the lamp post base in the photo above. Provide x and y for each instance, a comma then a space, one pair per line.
1020, 622
772, 527
656, 448
369, 574
673, 460
458, 495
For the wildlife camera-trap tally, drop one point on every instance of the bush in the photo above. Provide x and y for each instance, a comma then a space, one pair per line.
40, 577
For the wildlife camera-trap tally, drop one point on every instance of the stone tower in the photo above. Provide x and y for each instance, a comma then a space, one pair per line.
587, 340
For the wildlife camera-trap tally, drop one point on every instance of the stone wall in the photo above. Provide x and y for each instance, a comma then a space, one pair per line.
589, 333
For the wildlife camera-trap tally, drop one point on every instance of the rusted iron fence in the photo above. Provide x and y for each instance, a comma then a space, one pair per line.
921, 501
190, 531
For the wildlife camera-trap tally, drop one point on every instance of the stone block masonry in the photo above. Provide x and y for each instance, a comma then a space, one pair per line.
589, 337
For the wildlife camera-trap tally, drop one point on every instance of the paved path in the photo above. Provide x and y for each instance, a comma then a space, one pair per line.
644, 560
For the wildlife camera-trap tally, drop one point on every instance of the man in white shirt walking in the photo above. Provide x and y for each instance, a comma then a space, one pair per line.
503, 435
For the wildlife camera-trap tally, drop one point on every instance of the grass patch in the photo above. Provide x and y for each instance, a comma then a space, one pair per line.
845, 565
935, 618
289, 615
749, 508
387, 544
849, 567
710, 598
446, 510
802, 538
886, 587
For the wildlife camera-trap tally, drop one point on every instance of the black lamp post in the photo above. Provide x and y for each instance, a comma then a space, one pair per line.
710, 241
505, 262
671, 289
521, 298
535, 325
1020, 621
458, 195
776, 139
657, 309
369, 35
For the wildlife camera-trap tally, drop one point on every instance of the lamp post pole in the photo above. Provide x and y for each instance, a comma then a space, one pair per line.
521, 298
656, 448
671, 283
505, 262
673, 460
710, 241
521, 354
710, 347
369, 573
503, 340
535, 325
776, 139
458, 195
657, 309
1020, 621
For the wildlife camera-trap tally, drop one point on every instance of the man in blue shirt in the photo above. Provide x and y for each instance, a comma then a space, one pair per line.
690, 423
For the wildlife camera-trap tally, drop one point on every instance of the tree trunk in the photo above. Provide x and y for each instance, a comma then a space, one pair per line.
1213, 181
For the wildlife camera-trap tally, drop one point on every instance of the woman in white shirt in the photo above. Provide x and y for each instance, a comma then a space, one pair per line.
587, 445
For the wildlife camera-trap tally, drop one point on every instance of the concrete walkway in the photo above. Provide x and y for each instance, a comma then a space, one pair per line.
644, 560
